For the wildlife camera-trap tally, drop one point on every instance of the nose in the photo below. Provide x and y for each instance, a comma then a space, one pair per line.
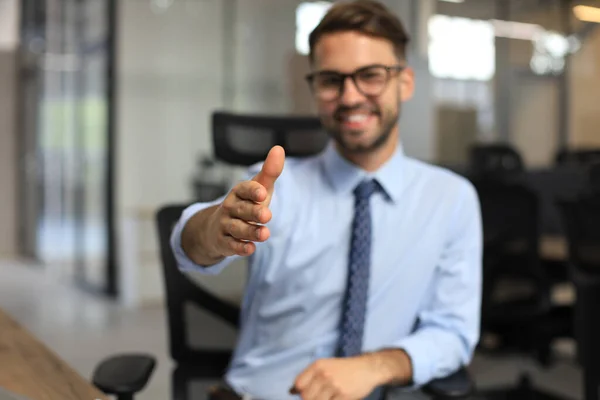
350, 94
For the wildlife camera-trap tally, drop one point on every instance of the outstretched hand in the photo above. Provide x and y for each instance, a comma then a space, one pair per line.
239, 221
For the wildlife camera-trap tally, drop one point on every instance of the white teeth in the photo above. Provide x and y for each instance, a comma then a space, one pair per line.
356, 118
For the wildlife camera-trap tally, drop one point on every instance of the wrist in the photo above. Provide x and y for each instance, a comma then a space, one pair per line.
374, 364
207, 237
198, 236
390, 367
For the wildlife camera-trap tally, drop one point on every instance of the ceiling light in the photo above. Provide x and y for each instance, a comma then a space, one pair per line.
454, 1
587, 13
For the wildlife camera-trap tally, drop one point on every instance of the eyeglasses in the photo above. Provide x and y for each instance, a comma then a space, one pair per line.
370, 81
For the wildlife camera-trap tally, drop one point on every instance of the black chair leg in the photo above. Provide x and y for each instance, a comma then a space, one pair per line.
591, 387
179, 385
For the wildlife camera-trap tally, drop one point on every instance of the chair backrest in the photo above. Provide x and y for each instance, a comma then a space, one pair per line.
509, 212
577, 157
494, 161
246, 139
181, 292
581, 219
594, 178
511, 224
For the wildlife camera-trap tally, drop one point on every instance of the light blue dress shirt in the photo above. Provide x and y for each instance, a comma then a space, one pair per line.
425, 285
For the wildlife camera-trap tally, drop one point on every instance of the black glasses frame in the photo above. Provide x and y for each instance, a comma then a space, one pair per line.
353, 75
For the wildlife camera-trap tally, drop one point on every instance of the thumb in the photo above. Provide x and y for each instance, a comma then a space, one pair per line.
271, 169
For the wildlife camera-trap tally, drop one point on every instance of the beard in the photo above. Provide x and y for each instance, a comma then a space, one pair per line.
388, 121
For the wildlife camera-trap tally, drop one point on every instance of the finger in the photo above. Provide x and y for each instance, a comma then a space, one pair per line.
325, 392
234, 246
250, 190
271, 169
242, 230
303, 380
250, 212
314, 390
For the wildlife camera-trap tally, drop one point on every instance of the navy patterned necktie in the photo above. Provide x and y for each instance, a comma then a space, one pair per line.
355, 302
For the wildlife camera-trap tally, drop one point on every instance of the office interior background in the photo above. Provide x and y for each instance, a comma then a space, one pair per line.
106, 115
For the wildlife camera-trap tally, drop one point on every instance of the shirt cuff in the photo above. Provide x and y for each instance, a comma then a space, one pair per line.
421, 360
184, 263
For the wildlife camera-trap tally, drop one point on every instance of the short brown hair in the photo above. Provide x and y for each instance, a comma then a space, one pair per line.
368, 17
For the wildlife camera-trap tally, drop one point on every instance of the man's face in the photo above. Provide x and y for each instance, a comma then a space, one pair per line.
358, 120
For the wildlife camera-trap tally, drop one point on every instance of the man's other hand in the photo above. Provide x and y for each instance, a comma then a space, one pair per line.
351, 378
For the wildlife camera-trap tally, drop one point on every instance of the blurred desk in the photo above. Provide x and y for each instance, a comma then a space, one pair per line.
554, 248
30, 369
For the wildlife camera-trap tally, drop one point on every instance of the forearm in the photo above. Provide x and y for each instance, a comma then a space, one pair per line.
436, 351
195, 239
393, 367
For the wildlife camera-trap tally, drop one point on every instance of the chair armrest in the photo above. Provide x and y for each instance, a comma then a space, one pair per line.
458, 385
124, 374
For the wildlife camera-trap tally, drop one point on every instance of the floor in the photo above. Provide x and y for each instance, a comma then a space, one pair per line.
83, 329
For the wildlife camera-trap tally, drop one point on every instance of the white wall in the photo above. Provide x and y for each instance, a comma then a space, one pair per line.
265, 44
8, 161
9, 21
585, 94
534, 126
171, 77
418, 119
8, 133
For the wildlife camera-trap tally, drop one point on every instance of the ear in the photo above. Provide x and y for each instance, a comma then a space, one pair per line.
406, 84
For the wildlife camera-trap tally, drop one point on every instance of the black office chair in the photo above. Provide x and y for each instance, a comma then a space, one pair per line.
494, 161
238, 140
592, 188
516, 302
244, 140
122, 375
577, 157
581, 218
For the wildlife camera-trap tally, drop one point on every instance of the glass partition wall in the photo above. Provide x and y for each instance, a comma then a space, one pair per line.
508, 71
66, 65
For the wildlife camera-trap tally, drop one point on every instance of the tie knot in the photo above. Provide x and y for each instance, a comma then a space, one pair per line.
366, 188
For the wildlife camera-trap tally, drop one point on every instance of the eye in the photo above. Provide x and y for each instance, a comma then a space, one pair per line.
329, 80
371, 75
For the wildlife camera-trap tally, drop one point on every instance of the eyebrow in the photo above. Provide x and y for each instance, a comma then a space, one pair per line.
355, 70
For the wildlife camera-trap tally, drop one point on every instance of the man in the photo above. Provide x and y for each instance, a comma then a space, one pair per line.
364, 263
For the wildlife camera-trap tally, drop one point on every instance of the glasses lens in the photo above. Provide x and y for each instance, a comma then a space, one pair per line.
371, 81
327, 85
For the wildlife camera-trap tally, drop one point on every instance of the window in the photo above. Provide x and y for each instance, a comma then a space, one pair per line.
8, 25
461, 48
308, 16
464, 49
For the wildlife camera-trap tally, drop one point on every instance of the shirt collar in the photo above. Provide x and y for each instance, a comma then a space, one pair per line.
344, 176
